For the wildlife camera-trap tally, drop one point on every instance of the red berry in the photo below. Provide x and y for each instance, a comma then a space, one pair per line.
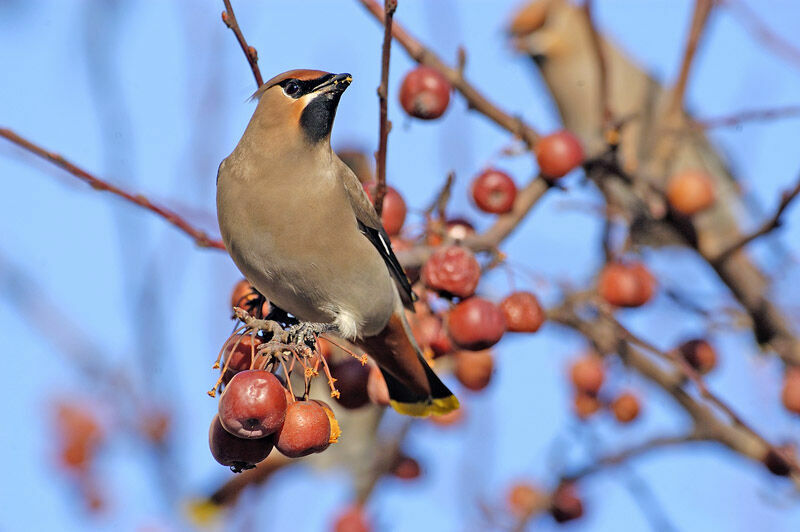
587, 374
406, 468
351, 381
474, 369
585, 405
352, 520
429, 332
459, 228
524, 499
425, 93
253, 404
305, 430
690, 191
494, 192
565, 505
242, 294
790, 396
237, 453
377, 390
452, 271
699, 354
558, 154
626, 285
336, 430
476, 324
625, 407
393, 215
79, 434
779, 459
454, 417
522, 312
239, 359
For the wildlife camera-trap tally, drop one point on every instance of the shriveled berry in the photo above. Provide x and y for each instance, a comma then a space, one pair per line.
474, 369
494, 191
243, 293
237, 453
253, 404
778, 460
558, 154
425, 93
306, 429
522, 312
452, 271
476, 324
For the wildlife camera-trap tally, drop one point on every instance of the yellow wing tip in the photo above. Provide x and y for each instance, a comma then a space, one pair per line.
436, 407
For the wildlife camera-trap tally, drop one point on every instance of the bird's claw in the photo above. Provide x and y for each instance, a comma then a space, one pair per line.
306, 332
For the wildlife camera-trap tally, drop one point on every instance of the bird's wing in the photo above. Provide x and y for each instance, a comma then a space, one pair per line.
371, 227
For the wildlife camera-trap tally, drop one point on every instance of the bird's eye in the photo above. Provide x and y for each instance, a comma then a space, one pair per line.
292, 88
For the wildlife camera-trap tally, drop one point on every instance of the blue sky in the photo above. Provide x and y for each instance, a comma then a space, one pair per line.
153, 95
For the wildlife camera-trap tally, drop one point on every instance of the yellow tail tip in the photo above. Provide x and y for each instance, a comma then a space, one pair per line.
436, 407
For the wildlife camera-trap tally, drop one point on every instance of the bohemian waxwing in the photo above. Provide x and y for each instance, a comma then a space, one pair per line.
298, 224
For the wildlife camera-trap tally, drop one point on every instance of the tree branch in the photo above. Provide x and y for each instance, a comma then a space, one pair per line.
201, 238
389, 7
229, 18
773, 223
753, 115
702, 8
762, 32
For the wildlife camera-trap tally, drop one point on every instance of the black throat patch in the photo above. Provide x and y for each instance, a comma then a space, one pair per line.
316, 119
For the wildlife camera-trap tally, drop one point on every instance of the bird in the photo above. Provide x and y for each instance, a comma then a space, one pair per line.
299, 226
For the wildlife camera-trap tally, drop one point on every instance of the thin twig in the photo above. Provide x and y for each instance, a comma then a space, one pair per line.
389, 7
477, 101
750, 18
753, 115
773, 223
200, 237
229, 18
625, 455
702, 8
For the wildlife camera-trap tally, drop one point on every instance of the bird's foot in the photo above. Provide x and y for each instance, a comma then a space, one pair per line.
307, 332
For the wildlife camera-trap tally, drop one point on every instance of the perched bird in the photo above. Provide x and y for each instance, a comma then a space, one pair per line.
298, 224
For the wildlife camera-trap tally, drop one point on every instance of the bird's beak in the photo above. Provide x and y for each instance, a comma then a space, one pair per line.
337, 83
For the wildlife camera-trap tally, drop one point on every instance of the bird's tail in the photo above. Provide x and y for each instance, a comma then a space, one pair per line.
414, 389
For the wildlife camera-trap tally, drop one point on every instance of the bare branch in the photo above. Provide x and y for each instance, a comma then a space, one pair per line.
761, 31
200, 237
702, 8
229, 18
389, 7
753, 115
773, 223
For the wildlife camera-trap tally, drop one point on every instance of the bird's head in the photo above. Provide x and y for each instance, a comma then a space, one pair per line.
547, 29
301, 103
